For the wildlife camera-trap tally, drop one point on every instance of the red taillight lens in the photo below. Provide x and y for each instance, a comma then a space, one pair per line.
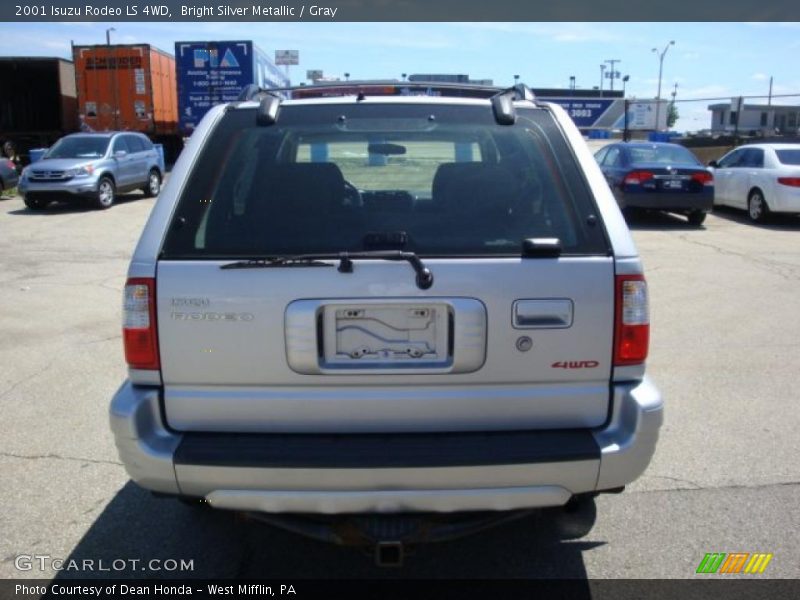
703, 177
790, 181
139, 324
10, 165
637, 177
632, 321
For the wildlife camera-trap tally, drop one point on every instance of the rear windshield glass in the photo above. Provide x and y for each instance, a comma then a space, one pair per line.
789, 157
668, 155
79, 147
438, 180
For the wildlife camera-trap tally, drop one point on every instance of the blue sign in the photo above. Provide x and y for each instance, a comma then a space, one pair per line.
211, 73
585, 112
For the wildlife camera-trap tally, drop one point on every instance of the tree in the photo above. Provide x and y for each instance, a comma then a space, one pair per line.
672, 115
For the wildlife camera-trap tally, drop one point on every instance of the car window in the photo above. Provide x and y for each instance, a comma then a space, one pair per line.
788, 157
601, 154
752, 157
730, 160
146, 143
120, 144
333, 178
79, 147
613, 158
134, 143
662, 154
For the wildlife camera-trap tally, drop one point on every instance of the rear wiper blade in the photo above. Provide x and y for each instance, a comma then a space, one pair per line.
278, 262
424, 275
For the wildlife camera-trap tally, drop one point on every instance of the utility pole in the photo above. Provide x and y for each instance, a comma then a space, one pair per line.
109, 60
612, 73
626, 104
769, 98
672, 104
602, 74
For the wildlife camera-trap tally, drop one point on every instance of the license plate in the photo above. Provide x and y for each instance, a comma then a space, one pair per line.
673, 184
400, 334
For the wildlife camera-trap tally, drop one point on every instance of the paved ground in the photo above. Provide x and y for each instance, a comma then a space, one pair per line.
725, 352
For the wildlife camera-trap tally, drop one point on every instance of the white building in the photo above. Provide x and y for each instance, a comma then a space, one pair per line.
767, 118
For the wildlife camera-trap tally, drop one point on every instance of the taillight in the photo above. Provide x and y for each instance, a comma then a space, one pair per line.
703, 177
791, 181
139, 324
10, 164
631, 321
637, 177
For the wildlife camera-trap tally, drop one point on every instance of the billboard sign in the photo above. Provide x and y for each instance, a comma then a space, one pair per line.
287, 57
314, 74
585, 112
642, 115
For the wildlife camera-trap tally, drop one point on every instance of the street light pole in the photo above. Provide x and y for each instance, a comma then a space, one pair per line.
661, 56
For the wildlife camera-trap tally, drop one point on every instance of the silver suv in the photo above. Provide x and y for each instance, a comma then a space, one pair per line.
93, 166
380, 303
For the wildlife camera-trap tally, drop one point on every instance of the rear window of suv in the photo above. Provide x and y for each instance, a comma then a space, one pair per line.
330, 178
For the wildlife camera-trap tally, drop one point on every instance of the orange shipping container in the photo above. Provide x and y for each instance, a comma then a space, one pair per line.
126, 87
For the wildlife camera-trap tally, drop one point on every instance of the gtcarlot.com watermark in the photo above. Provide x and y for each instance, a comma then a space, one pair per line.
45, 562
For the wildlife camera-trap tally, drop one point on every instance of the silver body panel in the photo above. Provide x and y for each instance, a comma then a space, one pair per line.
225, 365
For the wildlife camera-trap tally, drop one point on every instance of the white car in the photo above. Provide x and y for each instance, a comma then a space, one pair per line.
760, 178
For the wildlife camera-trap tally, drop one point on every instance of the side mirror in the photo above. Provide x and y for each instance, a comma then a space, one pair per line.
713, 163
120, 154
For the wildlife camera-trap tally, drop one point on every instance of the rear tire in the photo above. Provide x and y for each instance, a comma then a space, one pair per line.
194, 503
696, 218
573, 520
153, 187
106, 192
757, 208
34, 203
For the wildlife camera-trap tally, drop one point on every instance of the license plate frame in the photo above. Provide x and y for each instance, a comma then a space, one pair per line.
399, 335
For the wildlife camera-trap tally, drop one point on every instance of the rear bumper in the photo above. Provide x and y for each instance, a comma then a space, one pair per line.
682, 202
397, 472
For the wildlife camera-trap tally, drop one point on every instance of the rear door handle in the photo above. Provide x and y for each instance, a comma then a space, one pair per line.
552, 313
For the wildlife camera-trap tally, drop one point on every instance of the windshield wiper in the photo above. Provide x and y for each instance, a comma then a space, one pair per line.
278, 261
424, 275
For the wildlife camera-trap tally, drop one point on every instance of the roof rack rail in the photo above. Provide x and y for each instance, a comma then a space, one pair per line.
502, 99
503, 103
522, 92
269, 104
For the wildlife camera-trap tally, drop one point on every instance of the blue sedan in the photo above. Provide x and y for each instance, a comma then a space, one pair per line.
658, 176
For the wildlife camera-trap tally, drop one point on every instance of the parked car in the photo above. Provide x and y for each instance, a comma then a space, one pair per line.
658, 176
94, 166
760, 178
428, 305
8, 174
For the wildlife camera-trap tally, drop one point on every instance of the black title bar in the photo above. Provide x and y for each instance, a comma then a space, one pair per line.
406, 10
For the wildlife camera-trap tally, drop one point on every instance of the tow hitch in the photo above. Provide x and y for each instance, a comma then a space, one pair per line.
389, 554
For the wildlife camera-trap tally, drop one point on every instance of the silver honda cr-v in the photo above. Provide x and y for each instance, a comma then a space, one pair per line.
386, 303
93, 167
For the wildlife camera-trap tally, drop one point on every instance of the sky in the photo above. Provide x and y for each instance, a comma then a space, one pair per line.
708, 60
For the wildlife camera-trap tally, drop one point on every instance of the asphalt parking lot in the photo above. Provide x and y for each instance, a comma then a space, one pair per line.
725, 352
